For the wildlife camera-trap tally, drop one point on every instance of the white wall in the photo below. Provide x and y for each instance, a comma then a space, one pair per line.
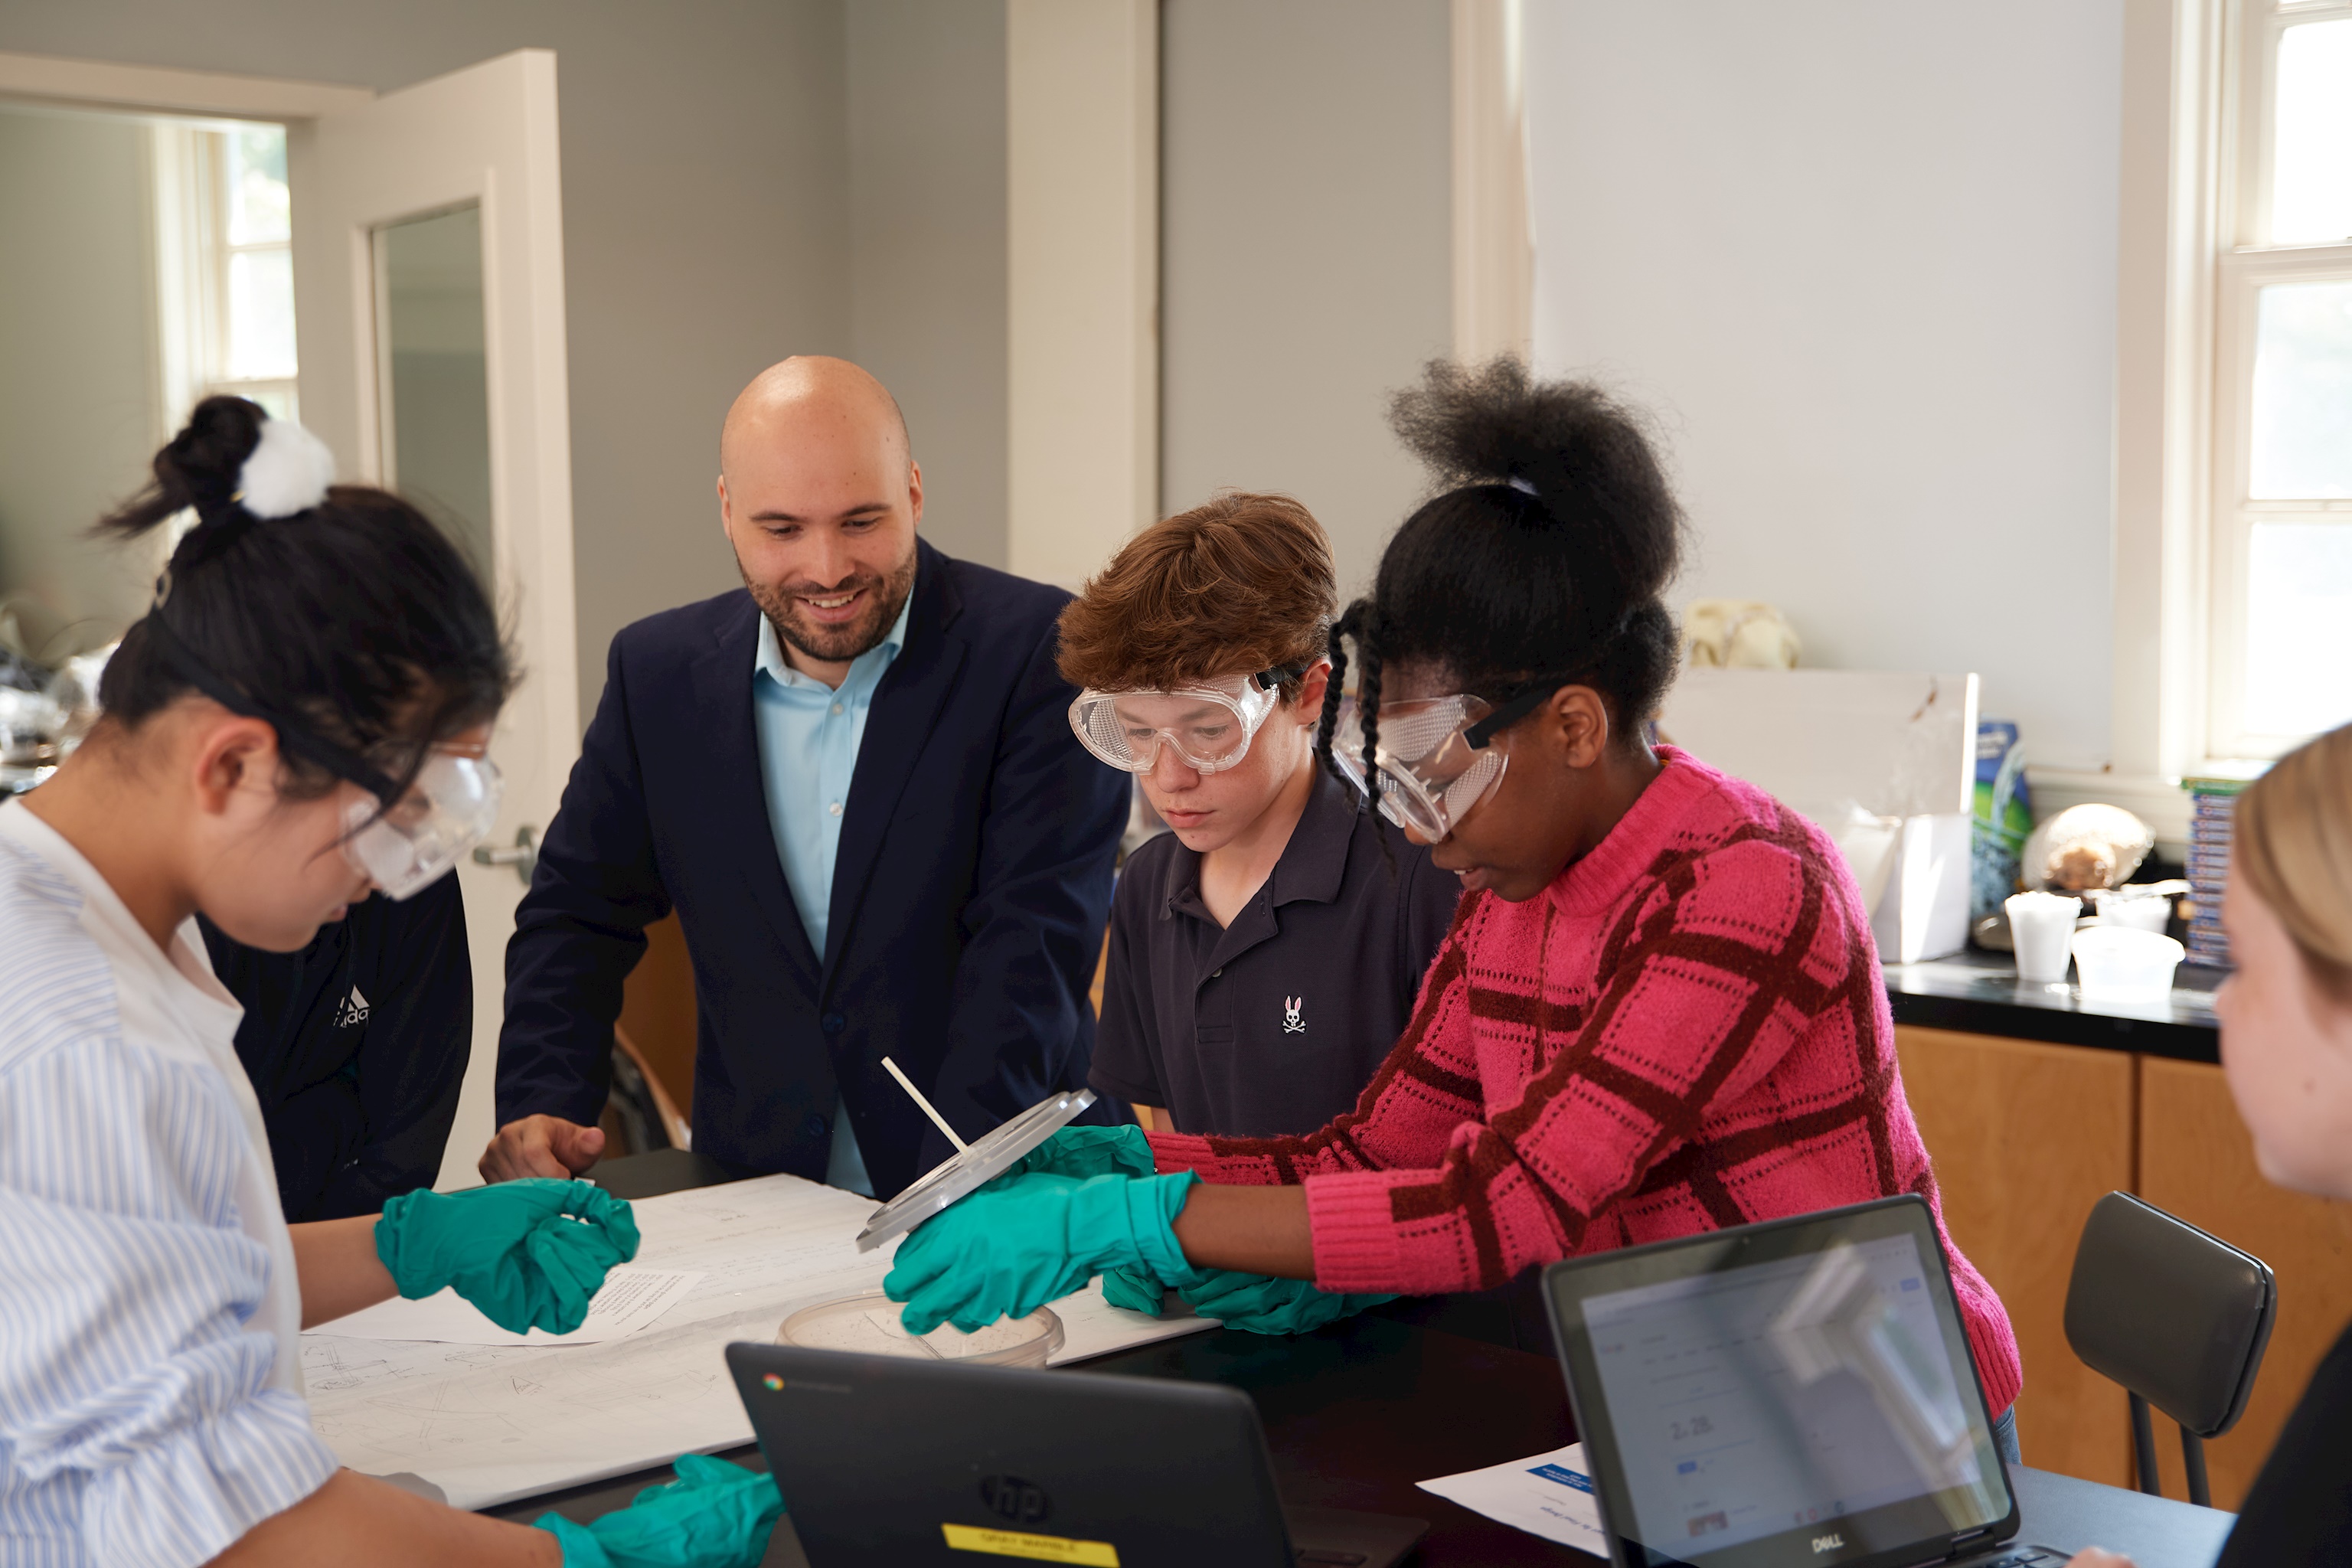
1082, 224
77, 385
1860, 256
926, 107
1306, 252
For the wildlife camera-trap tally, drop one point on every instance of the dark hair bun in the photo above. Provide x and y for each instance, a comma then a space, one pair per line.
201, 467
356, 613
1543, 558
1587, 457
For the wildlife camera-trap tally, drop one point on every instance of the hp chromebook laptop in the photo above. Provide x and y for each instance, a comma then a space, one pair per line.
890, 1461
1798, 1392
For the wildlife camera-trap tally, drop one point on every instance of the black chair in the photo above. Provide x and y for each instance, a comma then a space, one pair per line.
2177, 1316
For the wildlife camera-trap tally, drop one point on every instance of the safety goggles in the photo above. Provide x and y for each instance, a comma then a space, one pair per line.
1210, 725
451, 806
1433, 762
403, 840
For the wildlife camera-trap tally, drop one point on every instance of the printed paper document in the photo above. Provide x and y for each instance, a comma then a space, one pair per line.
1548, 1495
485, 1424
631, 1299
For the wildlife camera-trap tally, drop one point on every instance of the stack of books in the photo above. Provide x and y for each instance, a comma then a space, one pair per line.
2212, 797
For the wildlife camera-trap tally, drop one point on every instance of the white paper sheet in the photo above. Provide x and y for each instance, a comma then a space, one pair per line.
1548, 1495
631, 1299
487, 1424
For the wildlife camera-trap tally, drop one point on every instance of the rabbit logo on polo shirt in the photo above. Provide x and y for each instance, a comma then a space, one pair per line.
351, 1011
1292, 1024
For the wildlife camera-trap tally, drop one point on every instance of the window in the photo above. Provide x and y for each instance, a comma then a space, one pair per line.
224, 266
2282, 474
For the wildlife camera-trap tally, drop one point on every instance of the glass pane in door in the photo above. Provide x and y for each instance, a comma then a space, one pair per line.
433, 366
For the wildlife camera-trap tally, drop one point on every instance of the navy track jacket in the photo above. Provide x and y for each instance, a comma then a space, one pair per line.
968, 895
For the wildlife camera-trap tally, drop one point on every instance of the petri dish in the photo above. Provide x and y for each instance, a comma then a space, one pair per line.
963, 1174
869, 1323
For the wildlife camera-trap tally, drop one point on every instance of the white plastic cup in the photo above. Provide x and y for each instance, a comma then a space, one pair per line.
2136, 914
2126, 964
2040, 927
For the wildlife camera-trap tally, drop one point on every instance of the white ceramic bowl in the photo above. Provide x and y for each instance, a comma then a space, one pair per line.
2130, 965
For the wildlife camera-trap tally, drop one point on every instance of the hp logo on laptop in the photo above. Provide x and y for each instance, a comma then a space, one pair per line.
1023, 1503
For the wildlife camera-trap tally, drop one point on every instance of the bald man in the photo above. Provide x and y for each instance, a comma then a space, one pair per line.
854, 781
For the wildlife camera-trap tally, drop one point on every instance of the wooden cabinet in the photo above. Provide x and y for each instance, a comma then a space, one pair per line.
2026, 1136
657, 1010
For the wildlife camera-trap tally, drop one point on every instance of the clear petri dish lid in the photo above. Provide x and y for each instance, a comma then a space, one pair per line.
965, 1172
869, 1323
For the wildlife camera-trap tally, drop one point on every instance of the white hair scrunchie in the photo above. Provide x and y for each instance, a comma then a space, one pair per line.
287, 472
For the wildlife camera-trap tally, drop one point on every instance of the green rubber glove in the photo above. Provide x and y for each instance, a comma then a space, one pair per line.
1023, 1241
1265, 1305
1084, 1152
714, 1515
530, 1253
1137, 1290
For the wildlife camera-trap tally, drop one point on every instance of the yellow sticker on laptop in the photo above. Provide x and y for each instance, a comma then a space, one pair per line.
1038, 1548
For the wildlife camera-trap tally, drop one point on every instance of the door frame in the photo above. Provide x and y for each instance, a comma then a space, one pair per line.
161, 89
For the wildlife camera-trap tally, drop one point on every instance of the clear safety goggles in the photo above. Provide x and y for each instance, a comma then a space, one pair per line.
404, 844
1209, 725
1434, 761
407, 847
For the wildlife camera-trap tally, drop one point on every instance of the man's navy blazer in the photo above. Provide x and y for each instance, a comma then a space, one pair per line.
969, 893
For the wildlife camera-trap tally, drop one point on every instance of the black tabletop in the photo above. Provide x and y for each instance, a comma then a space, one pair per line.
1980, 993
1357, 1413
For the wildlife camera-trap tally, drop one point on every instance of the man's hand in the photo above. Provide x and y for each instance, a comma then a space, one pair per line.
540, 1146
2091, 1557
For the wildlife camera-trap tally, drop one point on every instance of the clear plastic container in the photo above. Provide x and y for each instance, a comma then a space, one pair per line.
2126, 965
970, 1169
869, 1323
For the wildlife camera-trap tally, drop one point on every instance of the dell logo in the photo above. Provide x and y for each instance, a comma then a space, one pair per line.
1828, 1542
1023, 1503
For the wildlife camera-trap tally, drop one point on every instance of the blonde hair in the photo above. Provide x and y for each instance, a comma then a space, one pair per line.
2291, 838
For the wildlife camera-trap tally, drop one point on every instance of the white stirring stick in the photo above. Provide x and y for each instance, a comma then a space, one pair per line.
929, 1109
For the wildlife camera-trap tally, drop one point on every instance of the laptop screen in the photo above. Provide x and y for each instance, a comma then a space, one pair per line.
1795, 1392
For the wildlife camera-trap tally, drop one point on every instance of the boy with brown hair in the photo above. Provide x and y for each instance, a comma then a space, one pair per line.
1264, 953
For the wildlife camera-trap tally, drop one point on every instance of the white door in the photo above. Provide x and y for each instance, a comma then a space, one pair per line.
428, 271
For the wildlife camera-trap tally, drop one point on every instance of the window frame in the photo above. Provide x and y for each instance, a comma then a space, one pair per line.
2245, 265
280, 393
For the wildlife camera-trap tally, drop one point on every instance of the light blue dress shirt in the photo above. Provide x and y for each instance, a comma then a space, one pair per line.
809, 733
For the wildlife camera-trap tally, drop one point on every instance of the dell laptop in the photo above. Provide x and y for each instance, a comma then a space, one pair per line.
902, 1462
1799, 1391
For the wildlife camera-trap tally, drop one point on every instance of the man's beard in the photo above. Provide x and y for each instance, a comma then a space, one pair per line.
885, 597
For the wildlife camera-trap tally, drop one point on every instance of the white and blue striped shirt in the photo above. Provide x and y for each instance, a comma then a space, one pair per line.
150, 1401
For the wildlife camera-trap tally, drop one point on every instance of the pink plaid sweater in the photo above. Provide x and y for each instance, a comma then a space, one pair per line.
1687, 1030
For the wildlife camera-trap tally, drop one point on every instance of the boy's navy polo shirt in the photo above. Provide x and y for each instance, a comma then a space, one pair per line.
1272, 1025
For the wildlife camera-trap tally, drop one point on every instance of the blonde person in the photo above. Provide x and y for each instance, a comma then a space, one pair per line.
300, 720
2286, 1046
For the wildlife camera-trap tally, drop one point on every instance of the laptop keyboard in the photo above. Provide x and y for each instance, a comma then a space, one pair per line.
2022, 1557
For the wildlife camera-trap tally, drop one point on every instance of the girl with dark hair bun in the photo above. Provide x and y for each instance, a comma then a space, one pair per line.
300, 719
1659, 1010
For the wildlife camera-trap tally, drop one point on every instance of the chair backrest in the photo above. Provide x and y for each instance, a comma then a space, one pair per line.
2175, 1316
